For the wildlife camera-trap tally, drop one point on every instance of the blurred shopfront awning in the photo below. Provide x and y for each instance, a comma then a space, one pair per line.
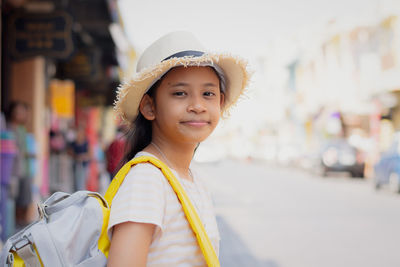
64, 58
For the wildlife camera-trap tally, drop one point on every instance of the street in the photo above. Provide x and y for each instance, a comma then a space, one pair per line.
280, 217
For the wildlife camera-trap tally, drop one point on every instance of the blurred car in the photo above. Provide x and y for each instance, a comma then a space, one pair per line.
387, 169
339, 156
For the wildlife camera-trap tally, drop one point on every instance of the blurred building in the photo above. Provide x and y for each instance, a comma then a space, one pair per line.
65, 59
352, 72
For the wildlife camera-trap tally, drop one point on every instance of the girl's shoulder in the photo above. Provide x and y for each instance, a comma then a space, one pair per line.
144, 172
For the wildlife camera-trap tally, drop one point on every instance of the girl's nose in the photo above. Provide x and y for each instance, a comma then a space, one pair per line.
196, 105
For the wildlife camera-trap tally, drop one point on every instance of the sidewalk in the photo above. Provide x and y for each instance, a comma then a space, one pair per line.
233, 252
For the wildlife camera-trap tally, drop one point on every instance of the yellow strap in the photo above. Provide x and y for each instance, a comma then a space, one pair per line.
191, 214
19, 262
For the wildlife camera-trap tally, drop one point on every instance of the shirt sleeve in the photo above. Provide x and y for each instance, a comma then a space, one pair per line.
140, 198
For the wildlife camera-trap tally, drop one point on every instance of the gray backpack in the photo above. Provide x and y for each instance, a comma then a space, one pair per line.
72, 229
66, 234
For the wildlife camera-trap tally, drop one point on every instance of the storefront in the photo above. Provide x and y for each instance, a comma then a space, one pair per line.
62, 59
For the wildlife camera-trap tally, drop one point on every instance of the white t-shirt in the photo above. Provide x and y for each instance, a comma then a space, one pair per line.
146, 196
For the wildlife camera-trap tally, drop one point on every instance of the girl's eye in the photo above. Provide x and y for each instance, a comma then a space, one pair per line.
179, 93
209, 93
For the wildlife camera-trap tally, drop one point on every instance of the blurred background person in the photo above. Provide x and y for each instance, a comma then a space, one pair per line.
22, 174
60, 163
115, 152
7, 204
81, 156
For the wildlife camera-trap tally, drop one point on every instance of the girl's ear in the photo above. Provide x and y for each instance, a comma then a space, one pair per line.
222, 99
146, 107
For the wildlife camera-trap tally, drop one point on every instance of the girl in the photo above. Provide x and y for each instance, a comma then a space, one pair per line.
173, 103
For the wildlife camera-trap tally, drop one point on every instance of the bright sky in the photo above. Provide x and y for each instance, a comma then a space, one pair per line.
239, 27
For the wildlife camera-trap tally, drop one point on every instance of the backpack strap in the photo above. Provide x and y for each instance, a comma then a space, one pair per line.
20, 251
29, 256
190, 212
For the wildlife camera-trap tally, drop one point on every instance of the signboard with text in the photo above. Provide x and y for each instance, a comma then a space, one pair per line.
46, 34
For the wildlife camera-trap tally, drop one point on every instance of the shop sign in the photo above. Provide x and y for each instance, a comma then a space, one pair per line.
63, 98
83, 66
46, 34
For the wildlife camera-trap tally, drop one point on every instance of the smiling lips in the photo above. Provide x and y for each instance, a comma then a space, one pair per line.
196, 123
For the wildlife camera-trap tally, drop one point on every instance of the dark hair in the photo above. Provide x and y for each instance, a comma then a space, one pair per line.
140, 134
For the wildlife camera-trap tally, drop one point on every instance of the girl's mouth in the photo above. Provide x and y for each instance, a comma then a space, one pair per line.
196, 123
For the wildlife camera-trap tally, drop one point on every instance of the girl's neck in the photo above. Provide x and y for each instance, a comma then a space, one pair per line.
178, 156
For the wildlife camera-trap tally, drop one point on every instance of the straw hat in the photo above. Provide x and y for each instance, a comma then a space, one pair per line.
173, 50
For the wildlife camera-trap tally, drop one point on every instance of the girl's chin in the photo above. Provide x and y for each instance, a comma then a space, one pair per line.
194, 135
193, 139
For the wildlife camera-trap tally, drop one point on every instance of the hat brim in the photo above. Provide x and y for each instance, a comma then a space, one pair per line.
130, 93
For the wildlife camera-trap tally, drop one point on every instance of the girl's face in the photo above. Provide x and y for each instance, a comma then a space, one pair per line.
186, 106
